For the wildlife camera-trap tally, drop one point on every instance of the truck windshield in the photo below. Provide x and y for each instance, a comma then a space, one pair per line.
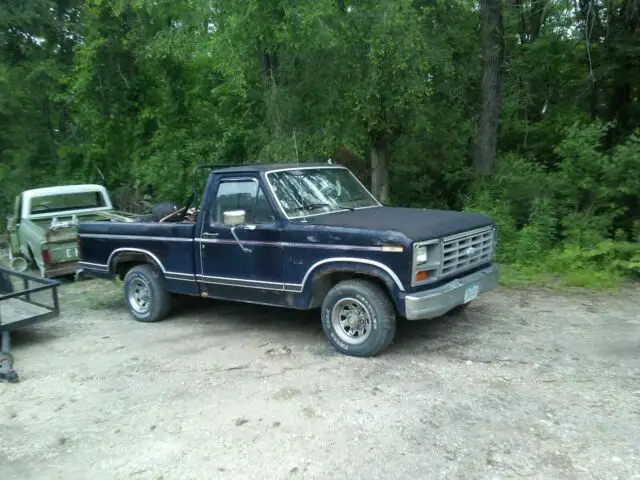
314, 191
67, 201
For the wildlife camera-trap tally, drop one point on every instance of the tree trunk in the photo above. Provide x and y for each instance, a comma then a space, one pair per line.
484, 154
380, 150
268, 67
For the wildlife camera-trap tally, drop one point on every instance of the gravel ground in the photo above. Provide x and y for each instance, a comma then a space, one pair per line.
533, 383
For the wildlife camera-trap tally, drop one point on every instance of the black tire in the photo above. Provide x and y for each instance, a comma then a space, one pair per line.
162, 209
366, 298
158, 304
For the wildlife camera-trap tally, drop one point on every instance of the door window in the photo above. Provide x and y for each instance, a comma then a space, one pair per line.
244, 195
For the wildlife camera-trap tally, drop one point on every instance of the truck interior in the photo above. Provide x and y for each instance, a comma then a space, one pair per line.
169, 212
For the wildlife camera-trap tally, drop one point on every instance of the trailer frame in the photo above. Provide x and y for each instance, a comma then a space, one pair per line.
7, 294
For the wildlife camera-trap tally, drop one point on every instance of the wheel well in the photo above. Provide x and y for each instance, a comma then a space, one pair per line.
127, 260
326, 282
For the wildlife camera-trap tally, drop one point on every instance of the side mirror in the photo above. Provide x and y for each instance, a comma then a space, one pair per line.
233, 218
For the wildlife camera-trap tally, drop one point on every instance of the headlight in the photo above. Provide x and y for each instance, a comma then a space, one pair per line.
421, 255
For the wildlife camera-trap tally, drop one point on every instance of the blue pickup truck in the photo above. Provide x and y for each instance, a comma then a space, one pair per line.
301, 236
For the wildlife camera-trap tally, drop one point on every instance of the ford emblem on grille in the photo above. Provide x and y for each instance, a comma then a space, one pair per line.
470, 251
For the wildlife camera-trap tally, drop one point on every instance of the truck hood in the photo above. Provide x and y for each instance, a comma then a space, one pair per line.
416, 223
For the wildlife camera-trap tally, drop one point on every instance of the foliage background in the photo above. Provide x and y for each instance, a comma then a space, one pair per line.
144, 90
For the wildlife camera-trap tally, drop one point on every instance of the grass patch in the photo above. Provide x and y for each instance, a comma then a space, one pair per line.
518, 275
605, 265
601, 280
104, 302
514, 275
102, 295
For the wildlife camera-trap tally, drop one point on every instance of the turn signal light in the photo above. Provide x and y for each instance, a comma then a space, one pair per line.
422, 276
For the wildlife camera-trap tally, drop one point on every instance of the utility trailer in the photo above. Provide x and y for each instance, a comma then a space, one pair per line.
35, 302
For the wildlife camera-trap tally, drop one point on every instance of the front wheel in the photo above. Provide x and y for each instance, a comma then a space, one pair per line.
145, 295
358, 318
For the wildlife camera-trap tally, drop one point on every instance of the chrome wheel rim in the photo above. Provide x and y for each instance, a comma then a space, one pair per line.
139, 295
351, 321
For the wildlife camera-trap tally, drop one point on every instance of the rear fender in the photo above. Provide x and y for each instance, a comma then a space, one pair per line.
122, 259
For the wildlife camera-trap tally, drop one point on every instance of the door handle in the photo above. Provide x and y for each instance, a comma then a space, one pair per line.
209, 235
244, 249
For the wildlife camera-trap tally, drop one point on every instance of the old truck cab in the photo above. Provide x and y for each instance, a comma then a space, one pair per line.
300, 236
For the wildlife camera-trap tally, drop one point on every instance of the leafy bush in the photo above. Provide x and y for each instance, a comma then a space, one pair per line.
578, 220
505, 224
536, 238
606, 263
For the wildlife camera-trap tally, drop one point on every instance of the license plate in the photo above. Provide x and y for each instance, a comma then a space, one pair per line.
471, 293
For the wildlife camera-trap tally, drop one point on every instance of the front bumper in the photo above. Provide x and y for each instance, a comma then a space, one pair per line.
438, 301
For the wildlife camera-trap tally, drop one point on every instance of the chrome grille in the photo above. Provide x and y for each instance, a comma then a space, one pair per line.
465, 251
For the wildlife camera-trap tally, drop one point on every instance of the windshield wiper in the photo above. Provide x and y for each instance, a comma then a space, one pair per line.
352, 209
313, 206
344, 207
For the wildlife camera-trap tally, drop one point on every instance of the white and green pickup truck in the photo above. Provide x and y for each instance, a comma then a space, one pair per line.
43, 228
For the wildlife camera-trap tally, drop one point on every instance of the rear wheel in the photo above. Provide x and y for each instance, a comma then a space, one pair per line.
145, 295
358, 318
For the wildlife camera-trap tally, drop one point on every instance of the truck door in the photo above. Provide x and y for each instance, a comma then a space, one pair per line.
246, 261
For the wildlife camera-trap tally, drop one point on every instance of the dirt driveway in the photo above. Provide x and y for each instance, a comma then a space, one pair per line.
526, 384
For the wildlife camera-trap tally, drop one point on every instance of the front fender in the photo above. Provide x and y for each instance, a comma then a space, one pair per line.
325, 268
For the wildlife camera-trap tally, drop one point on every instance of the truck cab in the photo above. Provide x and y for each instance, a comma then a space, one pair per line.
301, 236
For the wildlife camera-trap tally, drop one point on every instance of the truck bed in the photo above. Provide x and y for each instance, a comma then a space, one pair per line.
169, 245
